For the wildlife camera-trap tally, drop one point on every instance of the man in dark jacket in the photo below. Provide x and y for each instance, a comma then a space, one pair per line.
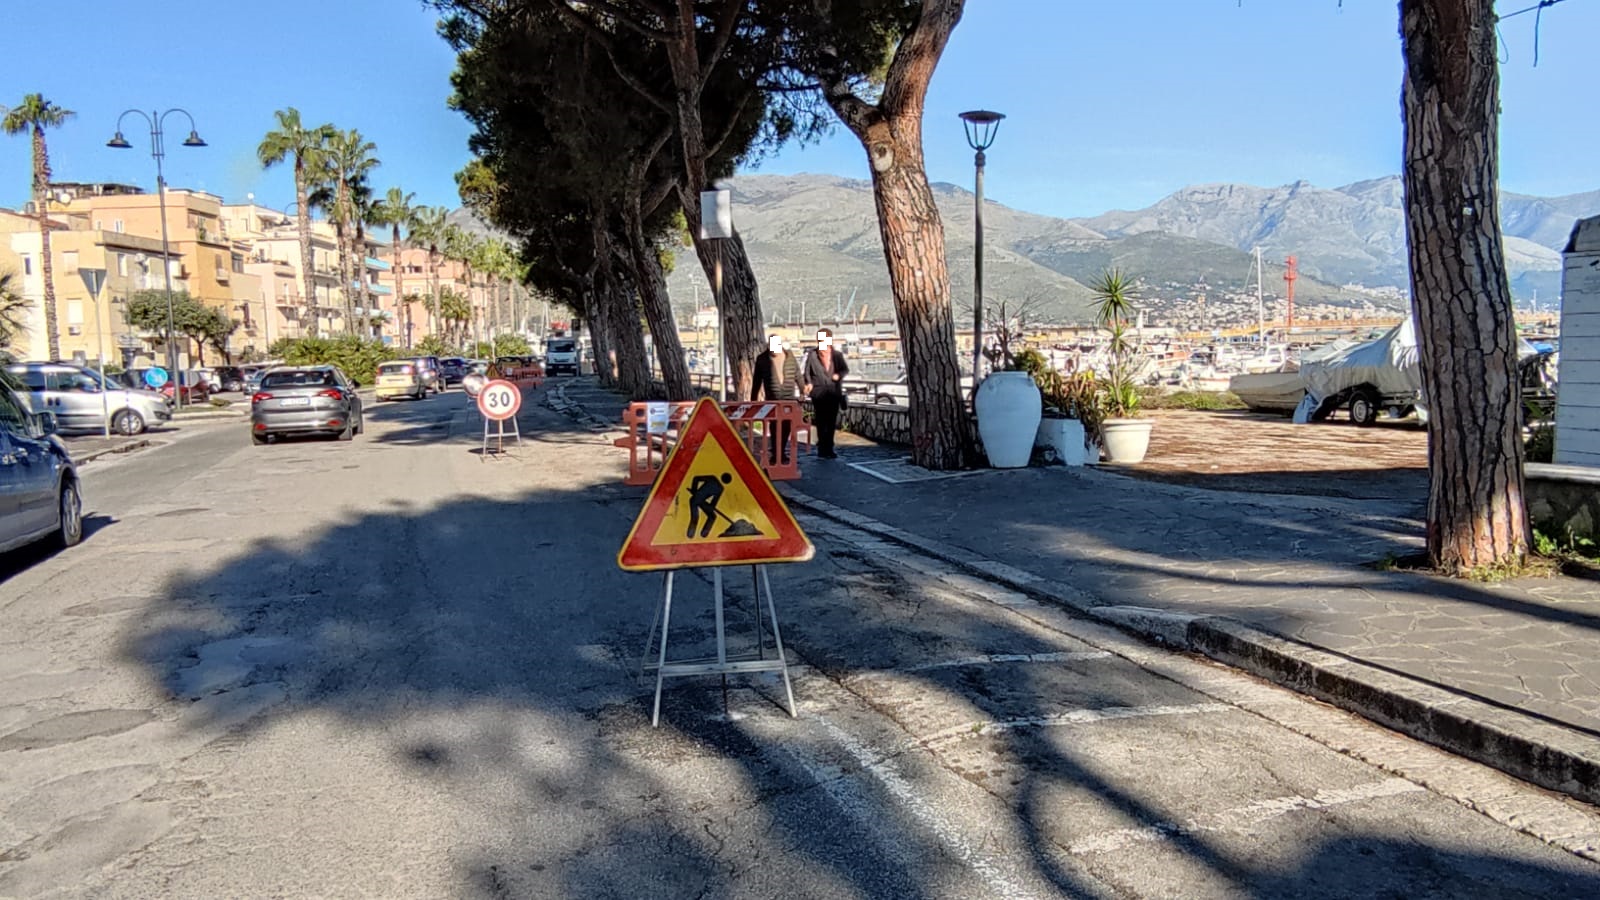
822, 376
777, 377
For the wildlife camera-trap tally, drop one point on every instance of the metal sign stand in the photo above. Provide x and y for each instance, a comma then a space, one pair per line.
500, 435
721, 664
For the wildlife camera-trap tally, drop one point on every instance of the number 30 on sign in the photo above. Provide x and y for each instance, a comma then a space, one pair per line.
499, 400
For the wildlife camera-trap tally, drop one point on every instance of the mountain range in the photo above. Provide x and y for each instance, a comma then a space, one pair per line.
813, 241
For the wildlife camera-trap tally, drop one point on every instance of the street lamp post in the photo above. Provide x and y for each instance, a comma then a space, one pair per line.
158, 150
981, 126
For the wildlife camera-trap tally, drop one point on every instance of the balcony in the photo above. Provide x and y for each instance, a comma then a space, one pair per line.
224, 275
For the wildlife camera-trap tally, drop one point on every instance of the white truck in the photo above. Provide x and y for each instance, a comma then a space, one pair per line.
561, 354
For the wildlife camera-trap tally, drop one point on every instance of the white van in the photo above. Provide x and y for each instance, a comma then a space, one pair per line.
561, 354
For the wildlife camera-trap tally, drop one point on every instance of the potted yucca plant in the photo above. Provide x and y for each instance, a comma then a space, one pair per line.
1126, 436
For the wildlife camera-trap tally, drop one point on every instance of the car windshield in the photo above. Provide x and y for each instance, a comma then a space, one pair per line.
301, 378
559, 347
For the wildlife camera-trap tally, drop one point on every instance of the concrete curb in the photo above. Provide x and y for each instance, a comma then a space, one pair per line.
208, 415
108, 451
1532, 749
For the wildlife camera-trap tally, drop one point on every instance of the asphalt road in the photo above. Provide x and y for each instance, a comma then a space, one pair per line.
394, 668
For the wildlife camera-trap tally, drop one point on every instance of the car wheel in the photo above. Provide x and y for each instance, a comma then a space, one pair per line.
71, 510
257, 439
1364, 408
128, 423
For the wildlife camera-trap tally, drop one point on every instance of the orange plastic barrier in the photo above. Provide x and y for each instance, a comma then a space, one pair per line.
759, 424
525, 376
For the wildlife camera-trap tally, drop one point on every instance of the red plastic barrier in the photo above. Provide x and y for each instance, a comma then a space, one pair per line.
758, 424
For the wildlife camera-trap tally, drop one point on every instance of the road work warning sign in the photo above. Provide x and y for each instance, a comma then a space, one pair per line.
712, 506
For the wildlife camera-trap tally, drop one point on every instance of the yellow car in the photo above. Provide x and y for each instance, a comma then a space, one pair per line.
400, 379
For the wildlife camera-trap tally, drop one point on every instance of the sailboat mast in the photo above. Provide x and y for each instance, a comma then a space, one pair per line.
1261, 314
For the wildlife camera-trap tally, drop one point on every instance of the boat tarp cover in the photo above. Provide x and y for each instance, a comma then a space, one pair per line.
1388, 363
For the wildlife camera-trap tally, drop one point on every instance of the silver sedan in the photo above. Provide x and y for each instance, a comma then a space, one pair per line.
305, 400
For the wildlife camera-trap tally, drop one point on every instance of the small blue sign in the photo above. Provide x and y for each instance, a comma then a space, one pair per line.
155, 377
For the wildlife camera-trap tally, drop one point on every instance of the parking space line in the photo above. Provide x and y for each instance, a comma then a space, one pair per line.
1073, 717
1245, 816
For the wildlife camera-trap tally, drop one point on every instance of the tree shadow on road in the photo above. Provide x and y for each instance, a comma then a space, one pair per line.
490, 648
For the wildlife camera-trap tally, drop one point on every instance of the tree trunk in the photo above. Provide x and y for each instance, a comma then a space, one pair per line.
913, 246
1467, 339
303, 222
739, 308
341, 238
41, 190
657, 305
400, 289
361, 268
599, 336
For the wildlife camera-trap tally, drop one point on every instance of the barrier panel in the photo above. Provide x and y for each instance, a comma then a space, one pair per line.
764, 426
524, 376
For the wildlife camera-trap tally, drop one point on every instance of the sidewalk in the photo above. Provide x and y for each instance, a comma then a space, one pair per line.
1282, 586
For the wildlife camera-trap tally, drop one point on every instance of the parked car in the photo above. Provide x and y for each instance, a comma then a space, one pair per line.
39, 489
452, 369
80, 402
305, 400
400, 378
253, 376
561, 354
431, 371
195, 389
228, 378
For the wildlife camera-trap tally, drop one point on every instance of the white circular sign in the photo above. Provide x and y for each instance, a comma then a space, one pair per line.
473, 384
499, 400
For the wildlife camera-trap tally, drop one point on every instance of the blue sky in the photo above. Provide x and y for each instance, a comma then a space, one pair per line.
1110, 103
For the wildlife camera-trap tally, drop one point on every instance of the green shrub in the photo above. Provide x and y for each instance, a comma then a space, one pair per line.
1154, 398
357, 358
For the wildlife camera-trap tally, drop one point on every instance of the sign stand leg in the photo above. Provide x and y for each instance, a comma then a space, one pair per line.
650, 642
777, 636
761, 630
661, 659
722, 637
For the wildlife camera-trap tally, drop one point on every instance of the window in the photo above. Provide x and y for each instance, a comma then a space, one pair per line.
75, 312
12, 418
122, 264
238, 262
298, 378
69, 261
27, 264
33, 379
97, 225
116, 225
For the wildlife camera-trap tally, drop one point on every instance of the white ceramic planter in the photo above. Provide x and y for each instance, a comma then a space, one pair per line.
1126, 439
1065, 437
1008, 418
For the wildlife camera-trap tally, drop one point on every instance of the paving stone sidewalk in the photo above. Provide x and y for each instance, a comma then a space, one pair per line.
1291, 566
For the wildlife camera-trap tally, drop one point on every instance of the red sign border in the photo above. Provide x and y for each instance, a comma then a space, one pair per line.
516, 406
791, 544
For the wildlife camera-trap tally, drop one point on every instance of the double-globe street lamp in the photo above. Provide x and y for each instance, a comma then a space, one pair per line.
158, 150
981, 125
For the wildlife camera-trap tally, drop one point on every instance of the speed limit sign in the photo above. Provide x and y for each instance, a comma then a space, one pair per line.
499, 400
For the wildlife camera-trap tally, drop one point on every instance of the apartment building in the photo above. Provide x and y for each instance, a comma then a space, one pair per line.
87, 325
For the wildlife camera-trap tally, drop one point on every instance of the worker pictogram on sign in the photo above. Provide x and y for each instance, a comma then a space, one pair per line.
712, 506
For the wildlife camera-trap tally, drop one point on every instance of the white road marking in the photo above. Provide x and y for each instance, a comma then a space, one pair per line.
885, 771
1243, 816
1073, 717
997, 658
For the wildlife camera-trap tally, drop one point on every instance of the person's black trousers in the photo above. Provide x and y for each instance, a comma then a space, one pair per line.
826, 408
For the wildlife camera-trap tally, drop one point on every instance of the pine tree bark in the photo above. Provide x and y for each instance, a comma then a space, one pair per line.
913, 236
652, 284
1477, 517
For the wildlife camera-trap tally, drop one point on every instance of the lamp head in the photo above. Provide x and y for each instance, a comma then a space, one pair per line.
118, 142
193, 140
981, 125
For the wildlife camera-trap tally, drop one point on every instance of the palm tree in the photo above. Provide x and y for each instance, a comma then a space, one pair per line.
13, 310
429, 231
34, 115
462, 246
292, 140
395, 210
348, 161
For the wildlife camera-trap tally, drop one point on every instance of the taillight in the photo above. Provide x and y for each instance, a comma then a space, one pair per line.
259, 396
331, 392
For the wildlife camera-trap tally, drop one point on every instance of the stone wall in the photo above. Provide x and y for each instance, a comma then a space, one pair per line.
1563, 499
884, 424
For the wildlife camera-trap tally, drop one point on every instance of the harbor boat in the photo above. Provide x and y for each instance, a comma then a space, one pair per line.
1270, 392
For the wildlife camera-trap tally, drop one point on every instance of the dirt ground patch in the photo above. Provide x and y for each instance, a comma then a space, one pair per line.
1244, 451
